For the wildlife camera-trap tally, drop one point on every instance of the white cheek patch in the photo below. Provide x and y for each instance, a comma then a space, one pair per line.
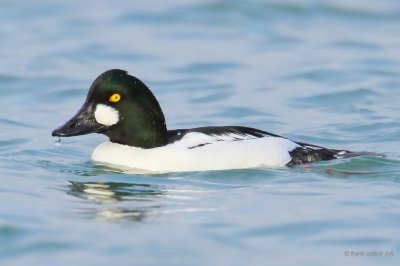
106, 115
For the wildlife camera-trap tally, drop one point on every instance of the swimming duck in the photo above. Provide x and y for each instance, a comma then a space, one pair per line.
124, 109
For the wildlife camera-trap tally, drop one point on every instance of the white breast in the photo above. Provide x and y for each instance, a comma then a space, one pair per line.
200, 152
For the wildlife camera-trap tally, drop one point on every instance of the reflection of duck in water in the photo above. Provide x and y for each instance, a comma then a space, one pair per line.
111, 196
123, 108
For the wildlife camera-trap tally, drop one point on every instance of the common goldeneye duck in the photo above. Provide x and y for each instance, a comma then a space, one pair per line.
124, 109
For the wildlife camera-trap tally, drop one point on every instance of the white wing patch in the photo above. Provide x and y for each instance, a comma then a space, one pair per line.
106, 115
197, 139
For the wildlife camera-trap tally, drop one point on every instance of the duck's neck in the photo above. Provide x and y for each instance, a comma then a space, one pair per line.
140, 126
147, 135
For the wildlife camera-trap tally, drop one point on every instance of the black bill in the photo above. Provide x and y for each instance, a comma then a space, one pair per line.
82, 123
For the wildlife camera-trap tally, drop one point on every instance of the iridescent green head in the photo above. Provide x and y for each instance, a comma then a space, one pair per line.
121, 107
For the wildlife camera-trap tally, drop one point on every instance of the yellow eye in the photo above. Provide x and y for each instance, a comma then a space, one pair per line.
115, 98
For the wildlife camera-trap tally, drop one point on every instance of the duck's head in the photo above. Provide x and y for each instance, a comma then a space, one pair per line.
121, 107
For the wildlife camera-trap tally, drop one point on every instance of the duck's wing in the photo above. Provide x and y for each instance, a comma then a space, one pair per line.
200, 136
300, 152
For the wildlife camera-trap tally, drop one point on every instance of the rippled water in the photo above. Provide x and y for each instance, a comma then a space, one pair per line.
325, 72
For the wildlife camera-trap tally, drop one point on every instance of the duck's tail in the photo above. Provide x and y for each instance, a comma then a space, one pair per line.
309, 153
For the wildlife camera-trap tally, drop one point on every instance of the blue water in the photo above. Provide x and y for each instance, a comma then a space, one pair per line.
325, 72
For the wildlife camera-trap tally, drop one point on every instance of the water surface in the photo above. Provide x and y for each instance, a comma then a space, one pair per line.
325, 72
